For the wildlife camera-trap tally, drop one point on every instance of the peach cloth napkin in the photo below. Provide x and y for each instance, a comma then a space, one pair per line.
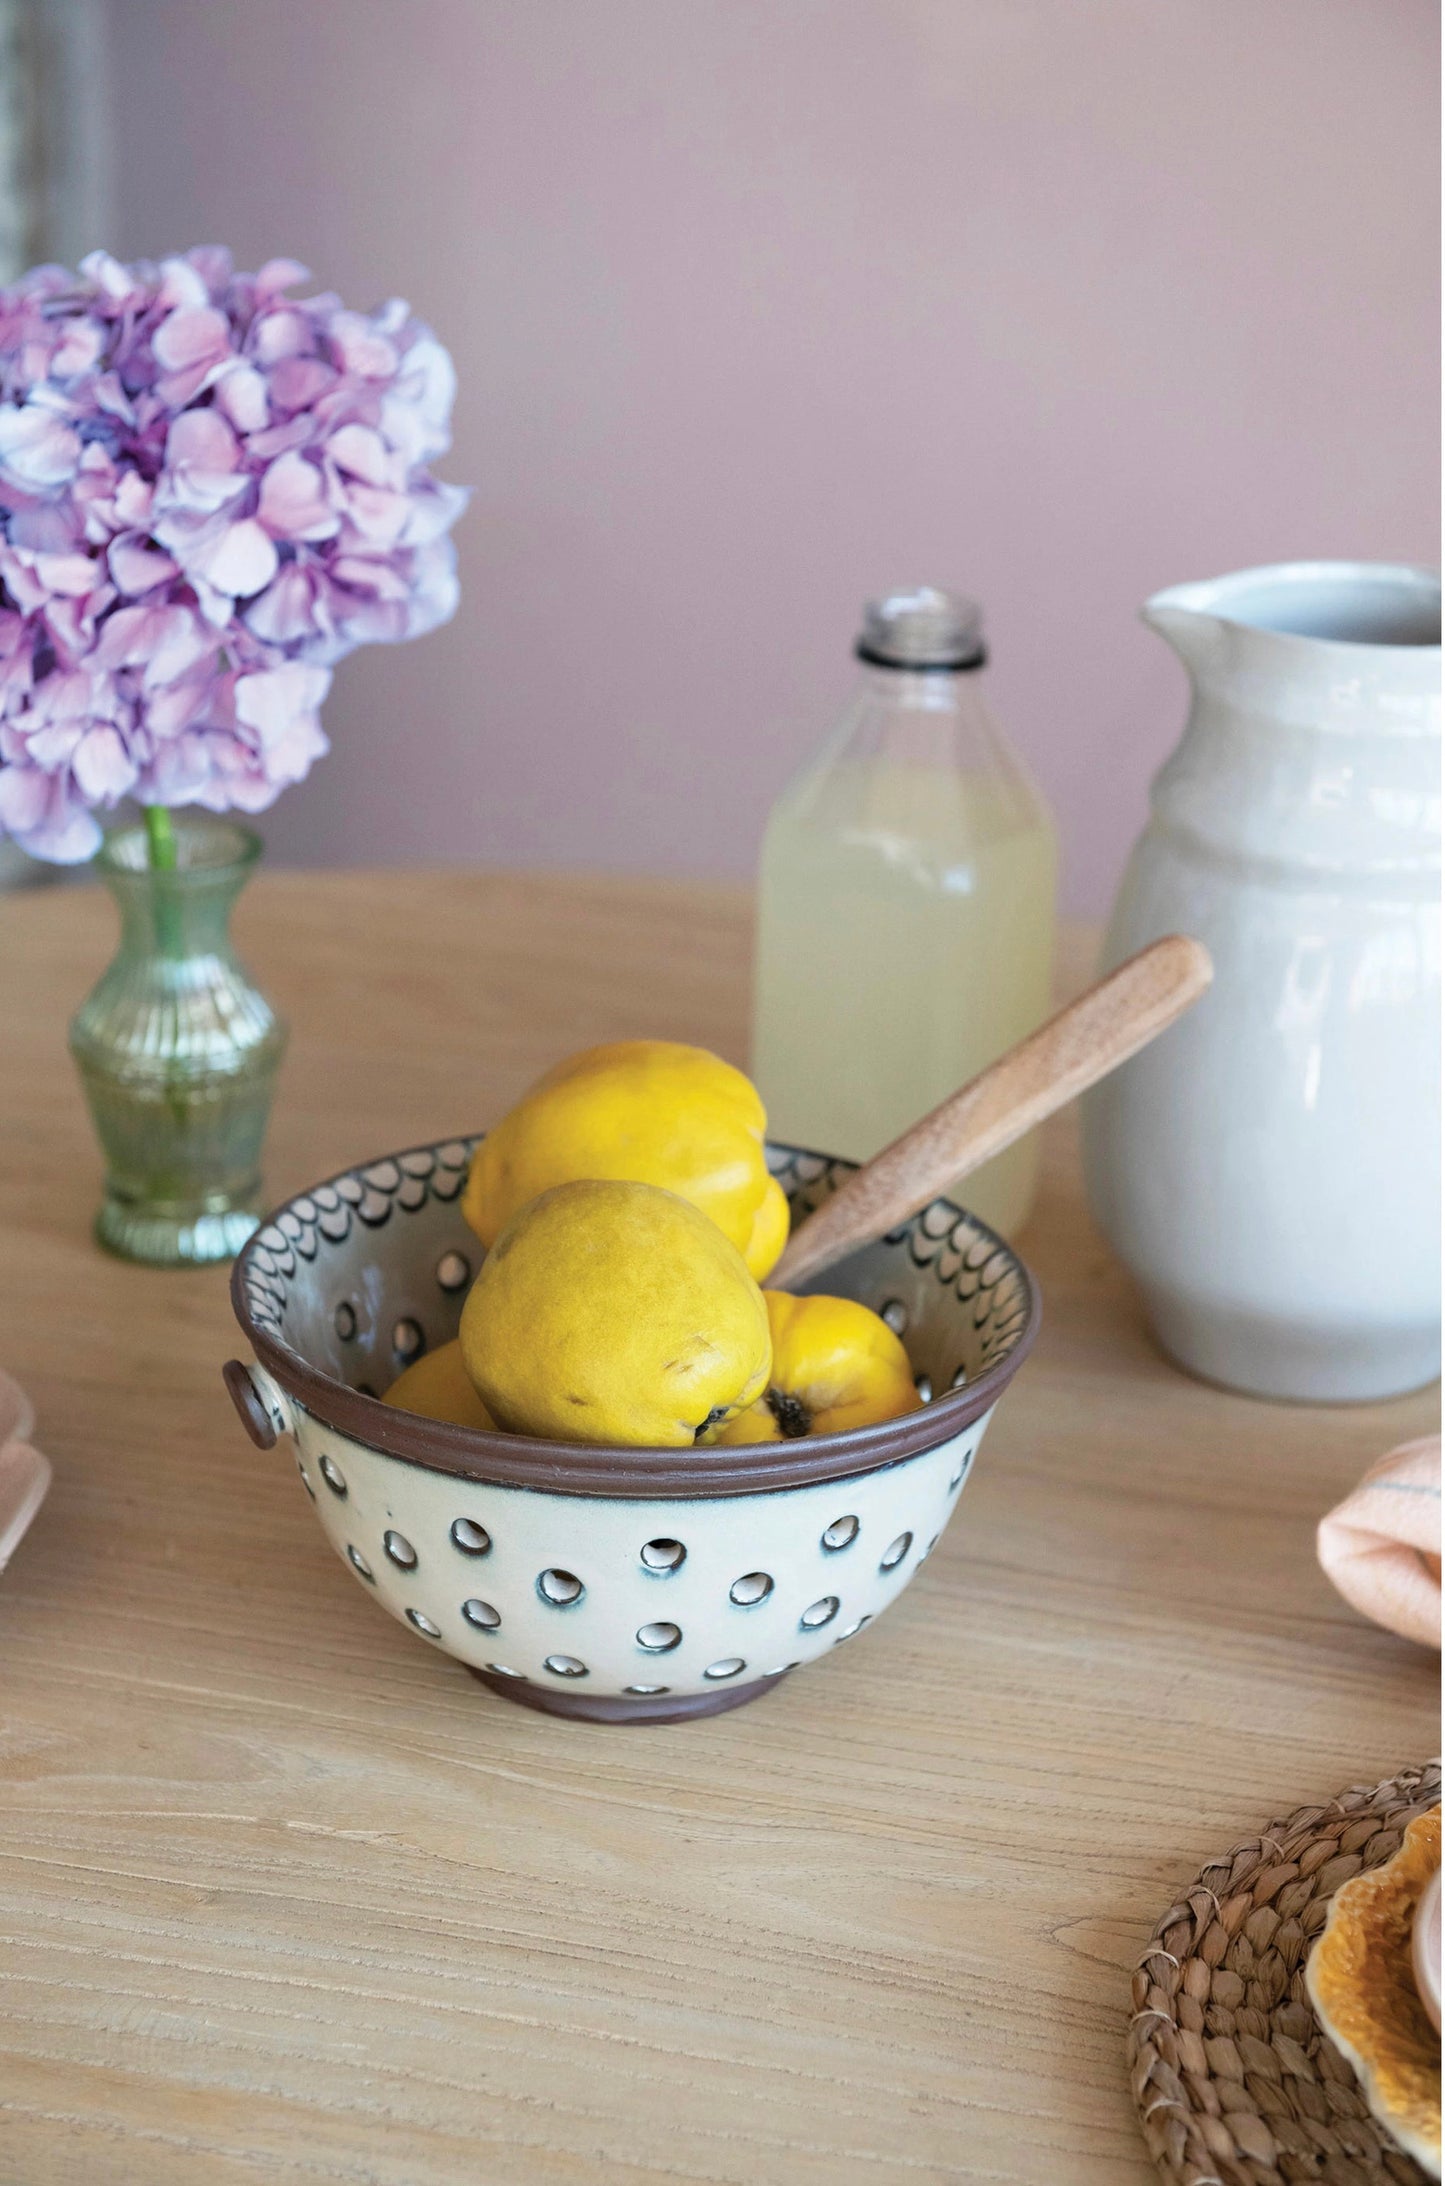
1381, 1546
24, 1473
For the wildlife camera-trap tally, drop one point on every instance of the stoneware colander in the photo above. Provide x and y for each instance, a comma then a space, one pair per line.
619, 1585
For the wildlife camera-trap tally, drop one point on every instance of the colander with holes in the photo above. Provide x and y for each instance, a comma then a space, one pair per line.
618, 1585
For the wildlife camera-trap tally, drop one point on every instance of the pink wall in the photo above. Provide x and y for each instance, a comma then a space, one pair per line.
759, 305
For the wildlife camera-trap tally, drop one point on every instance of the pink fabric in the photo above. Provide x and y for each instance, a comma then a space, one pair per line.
24, 1473
1381, 1546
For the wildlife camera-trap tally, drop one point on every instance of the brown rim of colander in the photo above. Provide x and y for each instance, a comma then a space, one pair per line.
598, 1468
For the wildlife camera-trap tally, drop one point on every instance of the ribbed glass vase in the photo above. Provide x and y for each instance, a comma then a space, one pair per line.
178, 1051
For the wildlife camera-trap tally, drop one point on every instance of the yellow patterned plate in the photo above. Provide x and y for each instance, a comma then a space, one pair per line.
1361, 1979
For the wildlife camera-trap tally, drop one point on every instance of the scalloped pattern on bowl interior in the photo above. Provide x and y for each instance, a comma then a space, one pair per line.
359, 1276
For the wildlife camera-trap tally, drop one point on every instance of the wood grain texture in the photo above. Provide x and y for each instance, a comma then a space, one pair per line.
1074, 1049
286, 1896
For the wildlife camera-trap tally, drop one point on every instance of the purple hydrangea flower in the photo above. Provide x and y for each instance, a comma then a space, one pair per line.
209, 493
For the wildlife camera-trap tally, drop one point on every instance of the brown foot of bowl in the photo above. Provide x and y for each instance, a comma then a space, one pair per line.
625, 1707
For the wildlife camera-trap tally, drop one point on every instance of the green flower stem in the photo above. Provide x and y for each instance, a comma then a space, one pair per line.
161, 842
161, 836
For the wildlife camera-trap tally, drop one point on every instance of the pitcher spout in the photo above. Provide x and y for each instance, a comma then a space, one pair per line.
1187, 618
1380, 614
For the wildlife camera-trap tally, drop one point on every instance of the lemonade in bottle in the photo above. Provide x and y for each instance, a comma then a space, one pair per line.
905, 904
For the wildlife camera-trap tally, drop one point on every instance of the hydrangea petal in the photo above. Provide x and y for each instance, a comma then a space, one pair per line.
79, 350
104, 770
137, 564
293, 503
72, 575
377, 518
54, 744
24, 798
60, 829
269, 703
118, 283
241, 394
133, 498
240, 560
287, 613
44, 528
203, 463
192, 335
360, 451
183, 284
279, 273
433, 510
360, 348
297, 382
67, 836
285, 332
37, 449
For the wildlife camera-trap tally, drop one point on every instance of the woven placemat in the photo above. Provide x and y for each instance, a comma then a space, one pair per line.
1234, 2080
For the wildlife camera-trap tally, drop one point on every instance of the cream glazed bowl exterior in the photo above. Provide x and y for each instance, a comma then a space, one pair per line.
617, 1585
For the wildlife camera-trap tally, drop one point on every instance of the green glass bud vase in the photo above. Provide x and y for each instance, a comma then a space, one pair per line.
177, 1050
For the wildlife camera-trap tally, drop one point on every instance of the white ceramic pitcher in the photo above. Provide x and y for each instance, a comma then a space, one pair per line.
1270, 1168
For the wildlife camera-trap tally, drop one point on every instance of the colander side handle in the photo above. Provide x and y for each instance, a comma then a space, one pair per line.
260, 1405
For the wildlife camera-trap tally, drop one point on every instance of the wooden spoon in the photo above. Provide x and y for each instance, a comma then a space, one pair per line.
1069, 1053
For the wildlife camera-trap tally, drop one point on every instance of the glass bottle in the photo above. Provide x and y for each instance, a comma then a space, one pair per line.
905, 904
178, 1051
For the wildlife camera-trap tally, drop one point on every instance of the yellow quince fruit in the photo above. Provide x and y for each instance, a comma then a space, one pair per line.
836, 1366
638, 1112
615, 1312
438, 1386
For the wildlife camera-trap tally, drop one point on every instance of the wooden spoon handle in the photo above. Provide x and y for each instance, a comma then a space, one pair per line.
1069, 1053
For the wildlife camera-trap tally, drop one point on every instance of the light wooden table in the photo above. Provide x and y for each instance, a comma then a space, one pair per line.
285, 1896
